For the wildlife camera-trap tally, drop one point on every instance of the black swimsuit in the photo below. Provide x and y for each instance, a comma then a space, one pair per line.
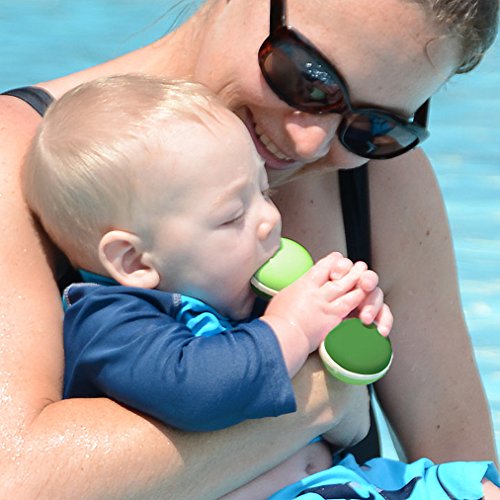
36, 97
356, 213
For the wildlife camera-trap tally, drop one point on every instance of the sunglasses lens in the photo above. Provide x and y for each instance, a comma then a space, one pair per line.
374, 135
303, 78
299, 77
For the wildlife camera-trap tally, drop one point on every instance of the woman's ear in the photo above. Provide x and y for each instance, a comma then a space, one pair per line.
121, 254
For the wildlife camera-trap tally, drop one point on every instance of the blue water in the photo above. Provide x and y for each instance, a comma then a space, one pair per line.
43, 39
465, 150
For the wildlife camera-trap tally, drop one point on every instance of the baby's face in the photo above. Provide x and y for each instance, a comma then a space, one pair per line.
218, 225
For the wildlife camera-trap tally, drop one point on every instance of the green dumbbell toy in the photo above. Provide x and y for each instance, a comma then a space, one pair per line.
352, 352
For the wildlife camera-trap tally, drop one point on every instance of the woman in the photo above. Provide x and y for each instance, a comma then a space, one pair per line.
393, 55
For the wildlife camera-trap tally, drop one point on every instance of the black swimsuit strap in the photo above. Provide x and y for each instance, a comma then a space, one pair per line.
355, 200
36, 97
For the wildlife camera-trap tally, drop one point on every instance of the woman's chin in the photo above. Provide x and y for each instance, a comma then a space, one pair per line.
279, 177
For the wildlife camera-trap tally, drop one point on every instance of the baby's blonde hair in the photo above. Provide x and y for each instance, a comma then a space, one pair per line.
80, 171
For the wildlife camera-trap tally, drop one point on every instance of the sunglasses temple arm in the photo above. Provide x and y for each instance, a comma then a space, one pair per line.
278, 15
422, 114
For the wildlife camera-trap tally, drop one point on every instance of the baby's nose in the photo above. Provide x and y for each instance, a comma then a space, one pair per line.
270, 225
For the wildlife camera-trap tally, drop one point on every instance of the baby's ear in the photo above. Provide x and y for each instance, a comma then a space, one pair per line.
121, 254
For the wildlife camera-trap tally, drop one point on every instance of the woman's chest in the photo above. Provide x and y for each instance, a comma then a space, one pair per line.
312, 213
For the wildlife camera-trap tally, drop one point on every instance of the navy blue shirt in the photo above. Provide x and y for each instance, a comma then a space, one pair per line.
124, 343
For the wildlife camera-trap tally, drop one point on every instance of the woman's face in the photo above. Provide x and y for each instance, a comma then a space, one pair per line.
388, 52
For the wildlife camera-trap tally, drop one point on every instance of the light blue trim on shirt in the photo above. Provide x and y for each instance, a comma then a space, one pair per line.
199, 317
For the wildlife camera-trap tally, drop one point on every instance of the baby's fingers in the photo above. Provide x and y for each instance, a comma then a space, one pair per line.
320, 272
340, 268
334, 289
368, 280
370, 307
384, 320
346, 303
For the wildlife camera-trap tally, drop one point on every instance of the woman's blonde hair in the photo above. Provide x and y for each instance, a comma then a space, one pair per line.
80, 171
473, 22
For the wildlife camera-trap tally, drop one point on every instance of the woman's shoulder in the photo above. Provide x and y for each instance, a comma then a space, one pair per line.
402, 172
408, 218
18, 122
404, 188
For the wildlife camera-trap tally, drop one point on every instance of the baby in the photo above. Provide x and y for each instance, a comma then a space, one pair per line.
155, 192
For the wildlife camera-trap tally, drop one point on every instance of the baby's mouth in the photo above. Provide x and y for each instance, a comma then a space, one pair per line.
271, 255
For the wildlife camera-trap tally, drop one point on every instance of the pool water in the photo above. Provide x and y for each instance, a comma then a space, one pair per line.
465, 150
43, 39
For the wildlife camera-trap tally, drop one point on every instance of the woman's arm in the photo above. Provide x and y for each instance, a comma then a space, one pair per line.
94, 448
433, 394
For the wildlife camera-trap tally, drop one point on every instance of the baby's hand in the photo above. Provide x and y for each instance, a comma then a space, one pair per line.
373, 309
302, 314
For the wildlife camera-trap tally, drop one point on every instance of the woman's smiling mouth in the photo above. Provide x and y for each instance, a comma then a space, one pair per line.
269, 145
270, 152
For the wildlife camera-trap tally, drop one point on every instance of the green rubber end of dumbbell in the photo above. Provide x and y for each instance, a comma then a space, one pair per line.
356, 353
290, 262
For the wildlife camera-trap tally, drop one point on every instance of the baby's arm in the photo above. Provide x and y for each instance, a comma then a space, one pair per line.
125, 343
302, 314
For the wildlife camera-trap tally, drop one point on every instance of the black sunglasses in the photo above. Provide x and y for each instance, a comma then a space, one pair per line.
300, 75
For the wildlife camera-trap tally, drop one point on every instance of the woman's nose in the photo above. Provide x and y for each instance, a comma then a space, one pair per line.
311, 134
270, 223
